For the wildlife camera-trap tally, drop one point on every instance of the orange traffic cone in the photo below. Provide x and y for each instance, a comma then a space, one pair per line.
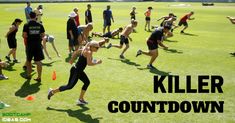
53, 75
30, 98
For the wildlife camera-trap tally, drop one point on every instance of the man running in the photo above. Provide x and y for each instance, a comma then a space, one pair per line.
153, 41
124, 38
183, 21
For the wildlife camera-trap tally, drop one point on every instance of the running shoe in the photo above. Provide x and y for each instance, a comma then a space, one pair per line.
150, 66
50, 94
3, 77
121, 56
8, 58
81, 102
109, 46
139, 52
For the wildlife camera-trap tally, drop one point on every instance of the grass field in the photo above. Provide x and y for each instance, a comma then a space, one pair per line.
205, 52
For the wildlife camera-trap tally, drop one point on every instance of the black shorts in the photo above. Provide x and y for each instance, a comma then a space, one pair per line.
34, 52
107, 22
183, 23
11, 43
152, 45
73, 42
108, 34
147, 18
123, 40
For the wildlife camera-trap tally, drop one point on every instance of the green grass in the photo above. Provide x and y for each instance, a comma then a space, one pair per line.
205, 53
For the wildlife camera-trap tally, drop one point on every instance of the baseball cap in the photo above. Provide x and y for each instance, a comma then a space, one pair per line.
72, 14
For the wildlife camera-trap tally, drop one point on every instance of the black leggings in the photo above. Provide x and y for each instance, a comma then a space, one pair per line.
73, 79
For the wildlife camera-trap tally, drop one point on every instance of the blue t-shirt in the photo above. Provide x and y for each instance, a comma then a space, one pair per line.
27, 11
107, 14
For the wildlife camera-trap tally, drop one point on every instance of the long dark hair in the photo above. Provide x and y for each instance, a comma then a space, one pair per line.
16, 20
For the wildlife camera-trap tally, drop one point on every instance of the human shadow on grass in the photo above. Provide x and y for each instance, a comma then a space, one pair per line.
173, 51
156, 71
167, 40
189, 34
10, 67
126, 61
232, 54
27, 89
50, 63
79, 114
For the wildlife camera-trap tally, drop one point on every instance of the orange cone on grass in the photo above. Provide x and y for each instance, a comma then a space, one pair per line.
53, 75
30, 98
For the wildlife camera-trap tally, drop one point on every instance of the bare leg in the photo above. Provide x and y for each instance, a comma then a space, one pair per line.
104, 30
108, 28
117, 46
185, 28
154, 55
39, 68
124, 50
82, 94
14, 53
29, 68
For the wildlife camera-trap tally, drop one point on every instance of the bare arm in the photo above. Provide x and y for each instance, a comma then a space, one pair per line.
24, 35
53, 45
13, 28
45, 47
161, 44
74, 56
232, 20
89, 59
160, 18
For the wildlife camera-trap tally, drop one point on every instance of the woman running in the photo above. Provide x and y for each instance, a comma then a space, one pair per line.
77, 71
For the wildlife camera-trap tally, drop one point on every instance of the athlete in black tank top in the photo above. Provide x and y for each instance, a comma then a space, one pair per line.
77, 71
11, 39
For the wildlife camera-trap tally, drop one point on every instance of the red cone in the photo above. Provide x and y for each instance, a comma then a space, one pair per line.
30, 98
53, 75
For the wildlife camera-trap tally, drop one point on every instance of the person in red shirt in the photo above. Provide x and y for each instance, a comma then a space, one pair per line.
183, 21
76, 17
147, 18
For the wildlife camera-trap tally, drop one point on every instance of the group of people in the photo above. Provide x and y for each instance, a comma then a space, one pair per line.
81, 45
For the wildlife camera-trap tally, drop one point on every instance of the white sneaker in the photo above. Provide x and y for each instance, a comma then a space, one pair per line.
81, 102
2, 77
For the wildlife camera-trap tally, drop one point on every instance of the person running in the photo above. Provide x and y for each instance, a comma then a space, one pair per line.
124, 38
133, 13
183, 21
11, 39
153, 41
77, 17
88, 15
3, 65
107, 16
108, 34
166, 18
83, 32
147, 18
39, 13
77, 71
27, 10
51, 40
169, 23
33, 32
72, 34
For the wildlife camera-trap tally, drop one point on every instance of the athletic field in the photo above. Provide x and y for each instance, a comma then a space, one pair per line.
205, 50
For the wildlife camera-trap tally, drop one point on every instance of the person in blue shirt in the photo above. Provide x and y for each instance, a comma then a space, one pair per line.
107, 16
27, 10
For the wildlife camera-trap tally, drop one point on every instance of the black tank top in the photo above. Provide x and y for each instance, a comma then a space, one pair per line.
81, 63
12, 35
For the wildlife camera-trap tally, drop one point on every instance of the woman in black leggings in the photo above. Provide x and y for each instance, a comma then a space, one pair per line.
77, 71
